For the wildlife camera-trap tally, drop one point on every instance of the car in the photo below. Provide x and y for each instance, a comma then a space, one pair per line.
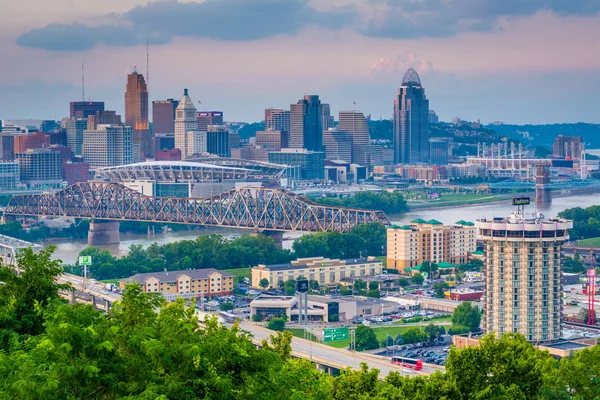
446, 349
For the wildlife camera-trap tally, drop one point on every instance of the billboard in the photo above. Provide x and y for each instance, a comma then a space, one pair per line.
85, 260
521, 201
302, 286
335, 334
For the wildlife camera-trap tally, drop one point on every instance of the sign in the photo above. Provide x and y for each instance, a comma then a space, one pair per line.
335, 334
85, 260
591, 272
521, 201
302, 286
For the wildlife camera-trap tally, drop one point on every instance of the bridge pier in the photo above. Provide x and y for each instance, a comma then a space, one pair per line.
103, 232
277, 237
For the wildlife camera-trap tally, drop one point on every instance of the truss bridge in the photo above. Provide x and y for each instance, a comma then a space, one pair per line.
260, 209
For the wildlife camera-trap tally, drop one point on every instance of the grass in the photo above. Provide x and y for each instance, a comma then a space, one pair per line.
458, 199
243, 272
114, 281
381, 332
591, 242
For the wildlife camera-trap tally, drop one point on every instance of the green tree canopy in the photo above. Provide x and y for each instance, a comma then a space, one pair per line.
466, 315
366, 339
417, 279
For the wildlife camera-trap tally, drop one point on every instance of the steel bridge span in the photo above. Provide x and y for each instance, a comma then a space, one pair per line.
260, 209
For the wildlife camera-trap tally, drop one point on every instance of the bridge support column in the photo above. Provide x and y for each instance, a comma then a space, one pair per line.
103, 232
277, 237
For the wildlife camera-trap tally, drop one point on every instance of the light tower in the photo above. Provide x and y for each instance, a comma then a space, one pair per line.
591, 291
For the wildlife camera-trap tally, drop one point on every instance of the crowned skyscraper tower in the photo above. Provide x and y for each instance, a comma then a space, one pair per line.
411, 121
136, 114
187, 137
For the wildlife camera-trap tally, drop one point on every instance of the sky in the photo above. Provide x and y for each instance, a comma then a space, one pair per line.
516, 61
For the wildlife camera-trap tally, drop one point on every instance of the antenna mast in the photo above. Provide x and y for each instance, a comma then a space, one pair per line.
147, 65
82, 83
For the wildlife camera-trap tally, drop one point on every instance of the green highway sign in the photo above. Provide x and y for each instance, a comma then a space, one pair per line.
85, 260
335, 334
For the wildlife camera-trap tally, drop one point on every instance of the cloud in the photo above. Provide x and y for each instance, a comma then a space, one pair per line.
397, 65
160, 21
409, 19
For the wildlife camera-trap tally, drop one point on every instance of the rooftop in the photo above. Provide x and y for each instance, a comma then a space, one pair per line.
411, 78
173, 275
566, 345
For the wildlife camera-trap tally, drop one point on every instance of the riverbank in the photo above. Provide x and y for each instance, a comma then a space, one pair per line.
469, 199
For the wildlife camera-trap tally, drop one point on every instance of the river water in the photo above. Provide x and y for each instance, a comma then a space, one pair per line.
68, 250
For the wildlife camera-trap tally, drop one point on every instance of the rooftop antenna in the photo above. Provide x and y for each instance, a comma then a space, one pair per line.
147, 65
82, 82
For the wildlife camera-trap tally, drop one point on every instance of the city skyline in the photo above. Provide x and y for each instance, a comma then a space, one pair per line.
513, 58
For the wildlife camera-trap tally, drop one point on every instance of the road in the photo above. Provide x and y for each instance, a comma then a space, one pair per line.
338, 358
84, 285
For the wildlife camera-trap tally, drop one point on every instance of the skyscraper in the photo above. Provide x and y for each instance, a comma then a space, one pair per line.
186, 125
108, 146
83, 109
522, 269
217, 141
326, 117
103, 118
75, 128
306, 122
355, 123
411, 121
338, 145
163, 116
136, 114
278, 119
208, 118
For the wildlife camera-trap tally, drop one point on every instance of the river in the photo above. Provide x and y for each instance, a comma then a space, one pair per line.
68, 250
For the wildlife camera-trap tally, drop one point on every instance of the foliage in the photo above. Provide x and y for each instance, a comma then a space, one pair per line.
439, 288
264, 283
430, 268
466, 315
373, 285
414, 335
366, 339
403, 282
226, 306
249, 130
586, 222
417, 279
388, 202
39, 232
573, 265
434, 331
472, 265
277, 324
381, 129
290, 287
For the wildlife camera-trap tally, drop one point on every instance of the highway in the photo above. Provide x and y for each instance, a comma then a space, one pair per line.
334, 357
84, 285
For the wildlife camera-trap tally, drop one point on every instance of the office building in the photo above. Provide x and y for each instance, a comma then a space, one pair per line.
438, 151
40, 168
9, 175
187, 137
217, 141
163, 116
164, 141
208, 118
75, 128
355, 123
522, 268
323, 270
235, 141
277, 119
311, 163
251, 153
108, 146
338, 145
103, 118
413, 244
196, 144
433, 117
272, 140
207, 281
36, 140
326, 117
568, 147
76, 172
411, 121
306, 126
136, 115
7, 146
168, 155
83, 109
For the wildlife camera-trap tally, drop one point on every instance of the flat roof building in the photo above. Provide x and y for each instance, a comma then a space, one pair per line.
411, 245
40, 168
311, 163
108, 146
323, 270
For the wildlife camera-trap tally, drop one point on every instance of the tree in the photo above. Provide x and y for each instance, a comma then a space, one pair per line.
573, 265
227, 306
314, 285
25, 290
277, 324
505, 368
439, 288
434, 331
577, 375
366, 339
290, 287
360, 285
414, 335
417, 279
466, 315
429, 267
264, 283
403, 282
373, 285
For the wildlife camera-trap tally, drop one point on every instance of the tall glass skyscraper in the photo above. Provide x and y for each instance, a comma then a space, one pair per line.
136, 114
306, 124
411, 121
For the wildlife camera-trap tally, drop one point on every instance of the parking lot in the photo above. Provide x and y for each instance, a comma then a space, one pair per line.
435, 354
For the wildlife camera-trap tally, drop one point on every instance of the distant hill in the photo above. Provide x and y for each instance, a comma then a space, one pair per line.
544, 134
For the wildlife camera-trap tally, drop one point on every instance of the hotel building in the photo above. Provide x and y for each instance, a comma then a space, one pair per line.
208, 281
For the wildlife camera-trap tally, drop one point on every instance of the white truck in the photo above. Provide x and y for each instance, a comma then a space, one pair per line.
111, 287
